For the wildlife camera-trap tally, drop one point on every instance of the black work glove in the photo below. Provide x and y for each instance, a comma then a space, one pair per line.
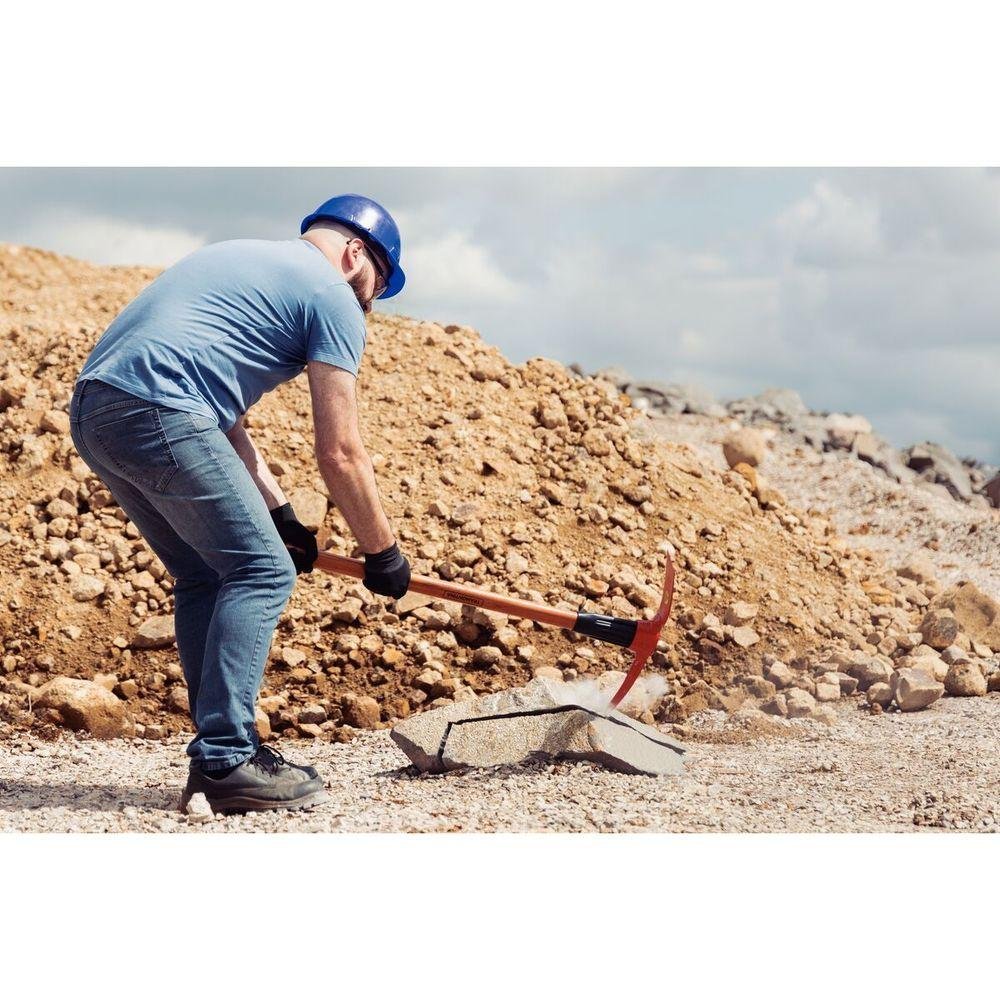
387, 572
299, 540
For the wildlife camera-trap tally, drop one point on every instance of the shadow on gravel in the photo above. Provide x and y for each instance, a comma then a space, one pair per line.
18, 795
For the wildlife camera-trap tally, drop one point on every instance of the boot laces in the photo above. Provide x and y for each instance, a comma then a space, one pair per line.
268, 759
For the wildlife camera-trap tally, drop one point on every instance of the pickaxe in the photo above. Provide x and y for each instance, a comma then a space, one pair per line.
640, 636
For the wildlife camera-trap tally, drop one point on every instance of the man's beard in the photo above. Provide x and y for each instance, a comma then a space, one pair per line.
357, 284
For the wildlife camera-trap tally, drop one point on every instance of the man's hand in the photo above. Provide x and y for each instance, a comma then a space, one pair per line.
299, 540
387, 572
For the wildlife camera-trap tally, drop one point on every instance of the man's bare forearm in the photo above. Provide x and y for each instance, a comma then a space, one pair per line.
350, 480
256, 466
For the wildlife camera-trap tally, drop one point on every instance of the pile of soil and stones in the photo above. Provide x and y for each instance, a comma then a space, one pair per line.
527, 479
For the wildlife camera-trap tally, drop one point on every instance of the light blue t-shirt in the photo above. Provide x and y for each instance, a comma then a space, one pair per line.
228, 323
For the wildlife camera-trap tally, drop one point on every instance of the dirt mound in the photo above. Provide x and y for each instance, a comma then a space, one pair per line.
525, 479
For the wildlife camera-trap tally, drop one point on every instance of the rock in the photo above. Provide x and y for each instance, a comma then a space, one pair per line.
915, 689
828, 687
744, 637
84, 587
843, 429
937, 464
486, 656
84, 705
800, 703
524, 723
312, 714
977, 614
992, 491
758, 687
291, 656
548, 673
361, 712
309, 506
177, 700
929, 663
848, 684
745, 446
780, 674
954, 654
868, 672
771, 404
348, 611
778, 705
939, 629
965, 680
880, 694
445, 688
154, 633
919, 569
740, 613
749, 473
126, 689
263, 724
198, 809
55, 422
427, 678
516, 563
411, 600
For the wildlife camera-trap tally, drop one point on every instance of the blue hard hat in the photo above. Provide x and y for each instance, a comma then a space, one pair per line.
373, 224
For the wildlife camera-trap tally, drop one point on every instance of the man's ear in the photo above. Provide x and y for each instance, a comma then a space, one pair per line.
351, 260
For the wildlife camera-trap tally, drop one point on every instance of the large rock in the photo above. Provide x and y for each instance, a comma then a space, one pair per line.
965, 680
671, 397
745, 446
919, 569
842, 429
800, 703
868, 672
939, 629
915, 689
309, 506
531, 722
977, 614
154, 633
992, 491
87, 706
771, 404
937, 464
361, 712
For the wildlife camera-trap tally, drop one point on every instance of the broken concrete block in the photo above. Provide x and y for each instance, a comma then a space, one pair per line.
530, 722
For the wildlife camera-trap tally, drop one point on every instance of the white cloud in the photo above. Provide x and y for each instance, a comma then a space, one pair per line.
104, 239
830, 228
452, 268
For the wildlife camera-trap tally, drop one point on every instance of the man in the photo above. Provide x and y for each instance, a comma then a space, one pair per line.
158, 413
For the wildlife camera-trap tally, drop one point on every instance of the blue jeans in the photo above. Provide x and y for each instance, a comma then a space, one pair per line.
181, 483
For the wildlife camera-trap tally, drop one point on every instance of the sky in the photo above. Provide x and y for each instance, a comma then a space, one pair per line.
871, 291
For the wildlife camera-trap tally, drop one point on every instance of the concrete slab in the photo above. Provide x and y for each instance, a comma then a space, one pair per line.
530, 722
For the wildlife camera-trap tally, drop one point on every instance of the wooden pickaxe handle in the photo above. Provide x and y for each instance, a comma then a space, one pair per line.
458, 592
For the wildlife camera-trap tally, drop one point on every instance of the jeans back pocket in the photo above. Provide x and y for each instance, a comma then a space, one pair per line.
134, 443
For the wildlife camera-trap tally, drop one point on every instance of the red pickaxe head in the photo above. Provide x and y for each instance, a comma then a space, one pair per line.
647, 635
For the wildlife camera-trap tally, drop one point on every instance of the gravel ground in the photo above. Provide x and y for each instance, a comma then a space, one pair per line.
932, 769
868, 509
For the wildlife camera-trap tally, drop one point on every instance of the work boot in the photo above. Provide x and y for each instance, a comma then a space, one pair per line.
264, 781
